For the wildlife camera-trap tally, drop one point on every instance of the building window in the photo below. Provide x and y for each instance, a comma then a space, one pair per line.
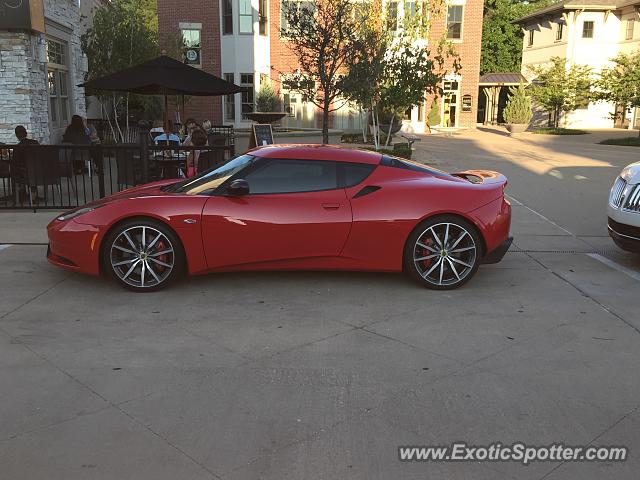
630, 25
286, 5
559, 31
454, 22
227, 17
392, 16
56, 53
246, 17
191, 45
58, 82
229, 101
246, 81
587, 29
263, 17
530, 39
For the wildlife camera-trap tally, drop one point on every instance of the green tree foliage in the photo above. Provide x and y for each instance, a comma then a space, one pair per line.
391, 69
561, 88
501, 39
620, 84
321, 36
267, 100
518, 108
124, 33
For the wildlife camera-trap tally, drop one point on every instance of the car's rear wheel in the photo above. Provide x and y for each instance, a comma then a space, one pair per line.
443, 253
143, 255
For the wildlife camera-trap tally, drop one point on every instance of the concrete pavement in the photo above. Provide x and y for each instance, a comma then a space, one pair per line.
323, 375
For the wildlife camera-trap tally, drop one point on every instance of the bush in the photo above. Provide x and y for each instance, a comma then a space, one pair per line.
434, 114
559, 131
399, 150
402, 150
518, 108
267, 99
625, 141
357, 138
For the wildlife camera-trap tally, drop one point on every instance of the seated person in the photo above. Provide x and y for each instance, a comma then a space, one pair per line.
165, 139
198, 139
21, 135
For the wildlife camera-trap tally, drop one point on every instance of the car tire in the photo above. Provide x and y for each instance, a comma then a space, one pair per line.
142, 255
443, 252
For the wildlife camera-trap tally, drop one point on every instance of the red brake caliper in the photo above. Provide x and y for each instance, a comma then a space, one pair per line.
162, 258
425, 253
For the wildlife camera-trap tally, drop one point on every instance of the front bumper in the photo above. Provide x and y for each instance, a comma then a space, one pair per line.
74, 246
625, 236
498, 253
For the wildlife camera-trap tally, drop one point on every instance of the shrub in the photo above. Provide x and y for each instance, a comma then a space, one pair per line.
559, 131
267, 99
401, 150
625, 141
434, 114
518, 109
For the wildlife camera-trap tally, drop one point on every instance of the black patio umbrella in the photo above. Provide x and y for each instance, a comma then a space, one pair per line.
164, 76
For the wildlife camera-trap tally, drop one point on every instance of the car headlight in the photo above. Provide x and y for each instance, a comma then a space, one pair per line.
76, 213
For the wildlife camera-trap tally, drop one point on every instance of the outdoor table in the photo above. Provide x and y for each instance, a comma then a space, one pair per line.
172, 160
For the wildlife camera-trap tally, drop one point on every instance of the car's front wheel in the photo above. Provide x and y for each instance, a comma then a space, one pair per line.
443, 253
143, 255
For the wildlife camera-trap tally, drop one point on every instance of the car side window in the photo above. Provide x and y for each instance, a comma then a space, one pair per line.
355, 173
293, 176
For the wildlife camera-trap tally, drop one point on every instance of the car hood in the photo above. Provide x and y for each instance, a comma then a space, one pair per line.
631, 173
146, 190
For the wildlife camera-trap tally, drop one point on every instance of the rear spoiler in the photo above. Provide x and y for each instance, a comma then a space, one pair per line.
482, 176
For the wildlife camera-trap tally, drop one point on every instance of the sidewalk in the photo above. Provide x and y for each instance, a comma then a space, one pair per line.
24, 226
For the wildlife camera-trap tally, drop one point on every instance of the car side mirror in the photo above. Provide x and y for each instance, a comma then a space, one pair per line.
238, 187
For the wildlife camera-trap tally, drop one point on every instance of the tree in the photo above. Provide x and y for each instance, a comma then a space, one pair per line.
502, 39
267, 100
391, 69
620, 84
561, 88
124, 33
518, 108
321, 36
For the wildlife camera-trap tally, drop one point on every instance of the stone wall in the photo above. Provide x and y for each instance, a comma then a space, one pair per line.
24, 98
21, 83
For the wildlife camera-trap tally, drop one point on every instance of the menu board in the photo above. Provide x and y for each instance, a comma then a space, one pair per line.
262, 134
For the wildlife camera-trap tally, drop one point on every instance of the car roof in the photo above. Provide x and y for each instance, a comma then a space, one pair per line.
317, 152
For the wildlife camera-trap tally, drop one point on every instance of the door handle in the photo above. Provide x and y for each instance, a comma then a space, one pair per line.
331, 206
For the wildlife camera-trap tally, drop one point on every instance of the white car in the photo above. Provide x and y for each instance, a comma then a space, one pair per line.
624, 209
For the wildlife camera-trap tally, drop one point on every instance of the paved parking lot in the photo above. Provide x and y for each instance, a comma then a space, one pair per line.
323, 375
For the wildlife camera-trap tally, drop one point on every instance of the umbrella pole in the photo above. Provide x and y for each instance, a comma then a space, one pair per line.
166, 116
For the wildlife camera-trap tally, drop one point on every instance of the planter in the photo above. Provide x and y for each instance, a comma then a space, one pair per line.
517, 127
265, 117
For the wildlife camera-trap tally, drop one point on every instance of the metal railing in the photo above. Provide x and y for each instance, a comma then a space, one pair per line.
66, 176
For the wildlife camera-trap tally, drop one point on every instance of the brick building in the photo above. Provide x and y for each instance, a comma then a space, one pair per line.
240, 40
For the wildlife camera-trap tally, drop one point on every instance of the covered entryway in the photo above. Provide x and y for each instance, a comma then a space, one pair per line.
492, 97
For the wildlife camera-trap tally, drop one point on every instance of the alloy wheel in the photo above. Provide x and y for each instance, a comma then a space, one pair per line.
445, 254
142, 256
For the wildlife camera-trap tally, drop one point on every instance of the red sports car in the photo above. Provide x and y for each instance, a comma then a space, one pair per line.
293, 207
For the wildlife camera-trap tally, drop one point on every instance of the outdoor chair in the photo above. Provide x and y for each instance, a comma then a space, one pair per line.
129, 168
38, 166
217, 139
210, 158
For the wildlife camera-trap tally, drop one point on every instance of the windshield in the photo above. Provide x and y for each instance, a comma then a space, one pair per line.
212, 178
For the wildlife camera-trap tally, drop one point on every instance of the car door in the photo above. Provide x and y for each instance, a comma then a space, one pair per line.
294, 210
